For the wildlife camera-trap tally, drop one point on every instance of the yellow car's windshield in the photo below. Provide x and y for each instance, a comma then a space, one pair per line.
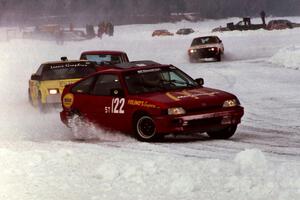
58, 72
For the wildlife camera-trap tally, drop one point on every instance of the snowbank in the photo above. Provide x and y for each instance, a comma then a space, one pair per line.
96, 172
288, 57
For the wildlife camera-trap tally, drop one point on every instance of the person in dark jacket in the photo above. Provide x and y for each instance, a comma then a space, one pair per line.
263, 17
101, 30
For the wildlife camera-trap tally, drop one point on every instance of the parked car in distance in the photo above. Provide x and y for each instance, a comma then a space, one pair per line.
185, 31
75, 35
162, 32
48, 82
149, 100
243, 25
206, 47
105, 57
279, 24
220, 29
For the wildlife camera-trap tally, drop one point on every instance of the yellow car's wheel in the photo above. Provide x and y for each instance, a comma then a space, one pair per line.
29, 97
41, 106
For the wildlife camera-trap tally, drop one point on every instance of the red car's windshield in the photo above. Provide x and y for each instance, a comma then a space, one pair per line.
157, 79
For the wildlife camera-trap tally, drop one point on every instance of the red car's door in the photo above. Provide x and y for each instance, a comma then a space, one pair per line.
106, 109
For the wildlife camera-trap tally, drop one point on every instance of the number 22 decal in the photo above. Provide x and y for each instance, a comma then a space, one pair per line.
117, 105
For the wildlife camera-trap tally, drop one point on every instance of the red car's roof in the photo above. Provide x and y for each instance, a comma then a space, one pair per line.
133, 66
103, 52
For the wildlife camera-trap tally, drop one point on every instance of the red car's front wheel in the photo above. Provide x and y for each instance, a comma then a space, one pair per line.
224, 133
145, 129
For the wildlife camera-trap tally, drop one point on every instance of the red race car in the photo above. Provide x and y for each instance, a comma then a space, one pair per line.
150, 100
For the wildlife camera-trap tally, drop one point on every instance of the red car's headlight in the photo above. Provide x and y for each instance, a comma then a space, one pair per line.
231, 103
176, 111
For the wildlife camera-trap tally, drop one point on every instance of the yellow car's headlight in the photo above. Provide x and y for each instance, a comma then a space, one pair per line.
176, 111
231, 103
53, 91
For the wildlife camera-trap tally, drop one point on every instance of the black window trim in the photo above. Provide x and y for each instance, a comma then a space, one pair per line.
89, 90
91, 87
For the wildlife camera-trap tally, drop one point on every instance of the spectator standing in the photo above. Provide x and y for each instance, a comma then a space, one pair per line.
101, 30
263, 17
71, 27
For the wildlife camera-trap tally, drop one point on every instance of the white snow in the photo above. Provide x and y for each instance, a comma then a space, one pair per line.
40, 160
288, 57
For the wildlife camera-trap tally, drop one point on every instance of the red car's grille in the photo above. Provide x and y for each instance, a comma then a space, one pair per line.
205, 122
203, 109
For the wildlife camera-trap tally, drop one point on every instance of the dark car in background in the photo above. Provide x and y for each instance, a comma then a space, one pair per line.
185, 31
206, 47
279, 24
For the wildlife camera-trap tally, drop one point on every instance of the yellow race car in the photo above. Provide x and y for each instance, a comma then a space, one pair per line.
47, 84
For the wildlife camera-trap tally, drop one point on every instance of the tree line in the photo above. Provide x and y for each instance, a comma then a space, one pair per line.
135, 11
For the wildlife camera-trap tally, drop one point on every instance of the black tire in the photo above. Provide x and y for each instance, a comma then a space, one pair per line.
29, 97
223, 133
42, 107
192, 60
144, 127
218, 57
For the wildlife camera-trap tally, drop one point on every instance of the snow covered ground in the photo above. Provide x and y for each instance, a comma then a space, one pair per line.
39, 159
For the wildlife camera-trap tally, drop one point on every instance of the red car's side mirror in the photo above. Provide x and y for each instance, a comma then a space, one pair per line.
200, 81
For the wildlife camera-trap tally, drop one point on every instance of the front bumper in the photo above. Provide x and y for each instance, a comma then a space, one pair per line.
53, 98
203, 53
200, 122
65, 116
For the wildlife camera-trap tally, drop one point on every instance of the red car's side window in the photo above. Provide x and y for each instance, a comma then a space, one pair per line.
83, 86
104, 85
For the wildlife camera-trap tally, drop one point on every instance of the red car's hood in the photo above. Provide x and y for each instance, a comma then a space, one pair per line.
187, 98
